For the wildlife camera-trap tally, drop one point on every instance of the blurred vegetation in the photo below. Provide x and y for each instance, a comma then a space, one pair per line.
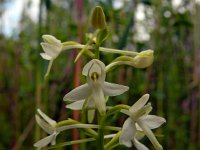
173, 81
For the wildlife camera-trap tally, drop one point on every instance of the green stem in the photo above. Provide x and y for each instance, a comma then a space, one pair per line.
48, 69
71, 122
112, 65
100, 138
113, 141
116, 51
82, 134
117, 108
96, 47
113, 146
86, 47
102, 49
76, 142
112, 128
71, 143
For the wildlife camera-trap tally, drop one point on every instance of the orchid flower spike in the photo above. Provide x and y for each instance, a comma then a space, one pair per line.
49, 126
139, 119
95, 90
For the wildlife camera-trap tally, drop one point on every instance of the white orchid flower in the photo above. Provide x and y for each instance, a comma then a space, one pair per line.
51, 46
139, 119
95, 90
49, 126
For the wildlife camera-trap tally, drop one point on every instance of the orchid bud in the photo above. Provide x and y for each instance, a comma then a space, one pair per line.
98, 20
144, 59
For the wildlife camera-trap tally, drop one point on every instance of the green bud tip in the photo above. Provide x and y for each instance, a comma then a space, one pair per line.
98, 20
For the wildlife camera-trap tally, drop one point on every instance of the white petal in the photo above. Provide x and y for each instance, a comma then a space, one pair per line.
95, 68
139, 145
89, 64
149, 134
138, 127
78, 105
46, 127
91, 115
148, 108
53, 142
87, 67
47, 118
128, 132
45, 141
99, 99
90, 103
103, 72
100, 63
139, 134
153, 121
111, 89
51, 50
78, 93
51, 39
45, 56
139, 104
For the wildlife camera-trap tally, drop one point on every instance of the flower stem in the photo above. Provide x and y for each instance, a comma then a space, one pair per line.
90, 41
117, 108
48, 69
73, 122
77, 142
68, 124
113, 141
116, 51
96, 47
102, 49
100, 138
71, 143
112, 128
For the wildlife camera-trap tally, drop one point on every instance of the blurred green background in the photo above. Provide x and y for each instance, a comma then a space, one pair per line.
170, 27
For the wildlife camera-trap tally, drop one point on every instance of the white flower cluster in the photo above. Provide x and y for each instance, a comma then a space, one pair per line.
91, 95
